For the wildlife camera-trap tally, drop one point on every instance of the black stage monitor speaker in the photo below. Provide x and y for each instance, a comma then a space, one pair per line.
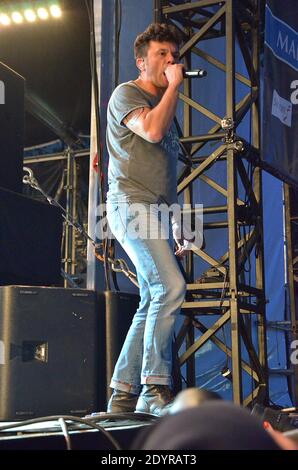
30, 241
48, 352
119, 308
11, 128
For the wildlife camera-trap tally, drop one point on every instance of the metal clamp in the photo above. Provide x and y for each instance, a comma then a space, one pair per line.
227, 124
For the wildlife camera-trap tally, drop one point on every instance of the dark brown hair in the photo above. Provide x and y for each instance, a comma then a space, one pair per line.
160, 32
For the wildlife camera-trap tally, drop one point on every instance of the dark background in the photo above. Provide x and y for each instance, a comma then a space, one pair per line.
54, 58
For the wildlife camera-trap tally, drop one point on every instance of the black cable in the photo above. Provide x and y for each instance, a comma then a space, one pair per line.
66, 216
74, 419
66, 435
248, 319
114, 274
246, 254
118, 25
224, 289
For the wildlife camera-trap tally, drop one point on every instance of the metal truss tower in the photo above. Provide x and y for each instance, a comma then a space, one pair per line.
225, 292
290, 326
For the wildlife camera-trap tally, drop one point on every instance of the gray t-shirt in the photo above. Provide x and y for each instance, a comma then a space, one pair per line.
139, 171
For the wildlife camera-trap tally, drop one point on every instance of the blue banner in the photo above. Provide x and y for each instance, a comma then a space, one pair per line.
280, 111
281, 39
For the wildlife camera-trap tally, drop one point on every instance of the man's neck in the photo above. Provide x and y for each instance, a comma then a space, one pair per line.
150, 87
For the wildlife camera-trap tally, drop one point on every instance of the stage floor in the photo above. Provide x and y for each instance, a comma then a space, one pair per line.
102, 431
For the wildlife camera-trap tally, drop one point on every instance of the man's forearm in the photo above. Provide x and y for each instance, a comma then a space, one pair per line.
159, 119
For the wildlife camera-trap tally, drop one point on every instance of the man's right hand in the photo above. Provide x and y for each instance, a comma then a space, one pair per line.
174, 74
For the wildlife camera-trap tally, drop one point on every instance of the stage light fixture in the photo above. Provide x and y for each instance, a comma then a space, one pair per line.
43, 13
30, 12
17, 17
30, 15
55, 11
4, 19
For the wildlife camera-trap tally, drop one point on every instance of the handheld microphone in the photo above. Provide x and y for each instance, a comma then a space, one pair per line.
197, 73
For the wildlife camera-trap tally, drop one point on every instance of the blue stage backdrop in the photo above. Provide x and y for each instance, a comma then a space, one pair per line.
210, 92
280, 143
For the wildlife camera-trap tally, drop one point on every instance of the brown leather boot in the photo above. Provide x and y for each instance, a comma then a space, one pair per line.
155, 399
122, 402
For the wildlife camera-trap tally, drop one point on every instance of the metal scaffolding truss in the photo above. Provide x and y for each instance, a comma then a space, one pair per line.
73, 247
290, 325
225, 291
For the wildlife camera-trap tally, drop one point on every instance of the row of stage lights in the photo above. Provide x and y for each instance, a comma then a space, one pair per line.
30, 15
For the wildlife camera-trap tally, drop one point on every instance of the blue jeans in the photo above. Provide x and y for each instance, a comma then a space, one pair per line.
146, 356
